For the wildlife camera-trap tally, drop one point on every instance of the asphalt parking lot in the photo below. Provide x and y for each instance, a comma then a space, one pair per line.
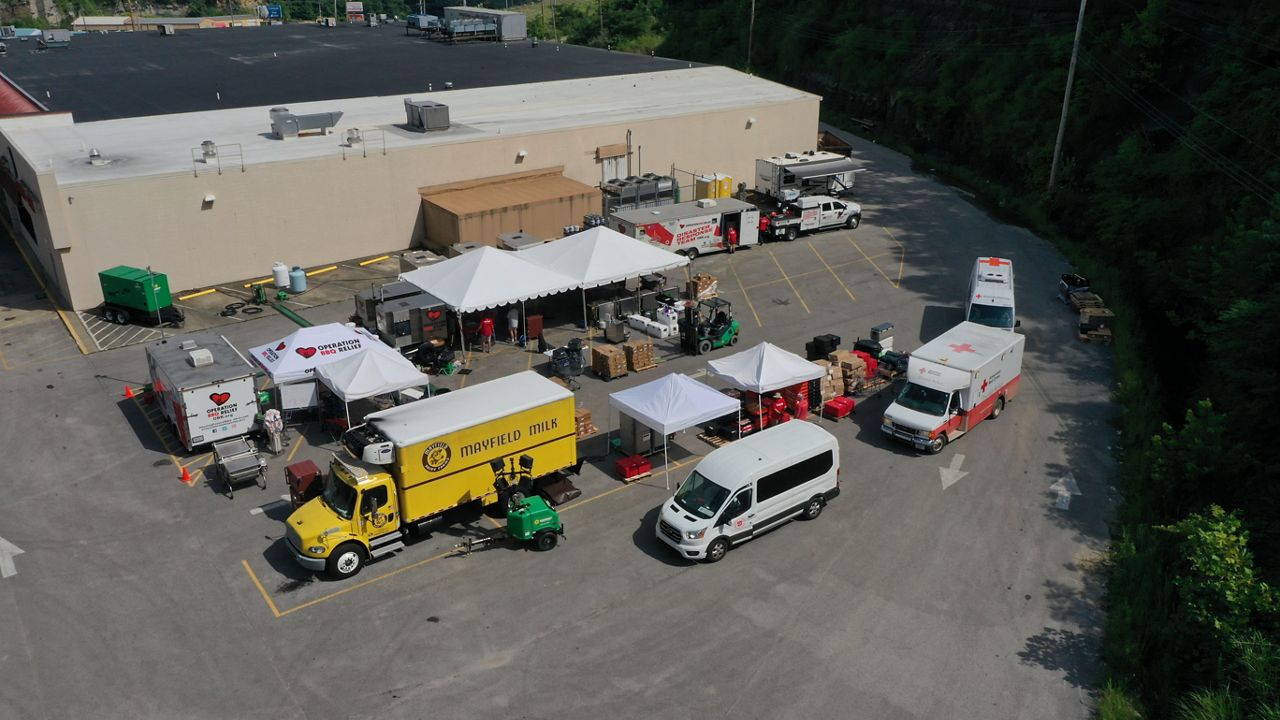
139, 596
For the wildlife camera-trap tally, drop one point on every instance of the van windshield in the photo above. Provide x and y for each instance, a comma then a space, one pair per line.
991, 315
923, 399
700, 496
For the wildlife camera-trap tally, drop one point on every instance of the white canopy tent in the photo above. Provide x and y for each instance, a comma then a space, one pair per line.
599, 256
487, 278
369, 373
673, 403
764, 368
296, 357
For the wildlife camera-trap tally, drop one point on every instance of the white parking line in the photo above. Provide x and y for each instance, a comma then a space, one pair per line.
263, 508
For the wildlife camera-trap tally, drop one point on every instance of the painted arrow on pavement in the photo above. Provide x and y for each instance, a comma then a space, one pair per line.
8, 551
1065, 487
951, 475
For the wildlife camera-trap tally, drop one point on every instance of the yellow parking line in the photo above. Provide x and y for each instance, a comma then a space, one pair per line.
4, 364
873, 262
258, 584
359, 585
206, 458
159, 434
745, 296
833, 272
52, 300
902, 256
799, 297
302, 440
322, 270
374, 260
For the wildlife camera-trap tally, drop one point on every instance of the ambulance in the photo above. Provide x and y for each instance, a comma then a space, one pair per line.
956, 381
990, 298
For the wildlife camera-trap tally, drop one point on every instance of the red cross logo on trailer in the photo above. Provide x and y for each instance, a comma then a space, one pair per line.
966, 347
995, 262
985, 383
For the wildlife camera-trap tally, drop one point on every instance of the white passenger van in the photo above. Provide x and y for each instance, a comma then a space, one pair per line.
990, 299
751, 486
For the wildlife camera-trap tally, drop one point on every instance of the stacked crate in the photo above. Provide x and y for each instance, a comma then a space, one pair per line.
832, 383
1095, 325
582, 425
851, 367
703, 286
639, 355
608, 361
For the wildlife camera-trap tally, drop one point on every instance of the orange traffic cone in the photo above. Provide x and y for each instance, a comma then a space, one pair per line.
128, 391
186, 476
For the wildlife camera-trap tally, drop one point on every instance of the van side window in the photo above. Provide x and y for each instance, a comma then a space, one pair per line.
775, 484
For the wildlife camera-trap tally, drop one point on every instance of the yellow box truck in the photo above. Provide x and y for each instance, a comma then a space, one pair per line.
410, 464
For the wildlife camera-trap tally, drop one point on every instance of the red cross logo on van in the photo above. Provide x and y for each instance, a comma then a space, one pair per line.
985, 383
966, 347
995, 262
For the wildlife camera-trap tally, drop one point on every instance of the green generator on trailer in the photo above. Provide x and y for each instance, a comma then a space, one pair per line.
136, 295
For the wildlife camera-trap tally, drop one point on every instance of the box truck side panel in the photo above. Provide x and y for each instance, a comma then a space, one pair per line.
1001, 376
443, 472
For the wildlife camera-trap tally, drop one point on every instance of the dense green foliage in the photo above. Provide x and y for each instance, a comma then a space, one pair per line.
1167, 198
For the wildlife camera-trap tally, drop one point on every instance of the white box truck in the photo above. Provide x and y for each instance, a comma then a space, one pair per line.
990, 298
692, 228
204, 387
959, 379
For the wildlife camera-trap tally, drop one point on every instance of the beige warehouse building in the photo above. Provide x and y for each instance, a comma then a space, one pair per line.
151, 194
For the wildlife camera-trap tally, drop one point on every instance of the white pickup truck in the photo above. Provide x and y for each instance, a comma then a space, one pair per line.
810, 214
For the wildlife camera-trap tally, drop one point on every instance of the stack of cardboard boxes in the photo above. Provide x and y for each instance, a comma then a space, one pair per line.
852, 368
831, 384
702, 287
608, 361
583, 426
639, 355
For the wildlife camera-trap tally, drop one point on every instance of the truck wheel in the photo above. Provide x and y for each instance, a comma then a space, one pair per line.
716, 550
935, 445
345, 561
792, 234
853, 222
704, 347
813, 509
546, 540
999, 408
692, 254
122, 317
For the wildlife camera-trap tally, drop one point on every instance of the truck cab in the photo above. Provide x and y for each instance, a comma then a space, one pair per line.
929, 411
813, 213
990, 298
355, 519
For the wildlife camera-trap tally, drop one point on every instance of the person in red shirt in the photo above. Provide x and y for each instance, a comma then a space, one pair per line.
486, 333
733, 238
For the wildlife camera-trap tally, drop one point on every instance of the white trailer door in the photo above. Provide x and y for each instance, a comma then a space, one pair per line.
220, 411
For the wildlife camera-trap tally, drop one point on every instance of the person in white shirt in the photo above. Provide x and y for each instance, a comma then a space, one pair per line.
513, 324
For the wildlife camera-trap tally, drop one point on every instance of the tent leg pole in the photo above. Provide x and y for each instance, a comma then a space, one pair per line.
524, 318
586, 326
462, 337
666, 464
347, 406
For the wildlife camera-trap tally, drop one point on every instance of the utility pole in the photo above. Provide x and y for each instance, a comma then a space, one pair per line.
1066, 100
554, 31
751, 34
600, 9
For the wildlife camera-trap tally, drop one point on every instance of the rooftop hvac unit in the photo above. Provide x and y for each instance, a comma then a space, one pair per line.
167, 29
200, 357
426, 115
285, 124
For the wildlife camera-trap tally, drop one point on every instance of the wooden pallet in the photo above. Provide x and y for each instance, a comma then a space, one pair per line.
1083, 299
713, 440
642, 368
1097, 337
588, 432
636, 478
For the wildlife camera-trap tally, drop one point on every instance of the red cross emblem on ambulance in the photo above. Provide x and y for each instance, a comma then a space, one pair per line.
966, 347
995, 262
985, 383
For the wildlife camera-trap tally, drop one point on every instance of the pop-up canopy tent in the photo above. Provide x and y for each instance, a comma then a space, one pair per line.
295, 358
673, 403
375, 371
599, 256
764, 368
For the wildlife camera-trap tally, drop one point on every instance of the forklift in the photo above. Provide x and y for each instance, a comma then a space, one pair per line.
708, 325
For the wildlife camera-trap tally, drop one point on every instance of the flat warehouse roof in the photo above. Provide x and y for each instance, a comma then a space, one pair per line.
134, 74
163, 144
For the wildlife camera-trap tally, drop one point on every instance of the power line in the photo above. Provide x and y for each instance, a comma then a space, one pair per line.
1228, 167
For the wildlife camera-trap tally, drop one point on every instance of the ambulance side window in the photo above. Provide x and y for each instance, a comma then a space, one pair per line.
955, 403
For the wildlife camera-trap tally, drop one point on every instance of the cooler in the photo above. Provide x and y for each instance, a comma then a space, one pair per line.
303, 479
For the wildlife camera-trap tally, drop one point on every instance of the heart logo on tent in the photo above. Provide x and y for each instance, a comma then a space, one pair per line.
220, 398
279, 347
306, 352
